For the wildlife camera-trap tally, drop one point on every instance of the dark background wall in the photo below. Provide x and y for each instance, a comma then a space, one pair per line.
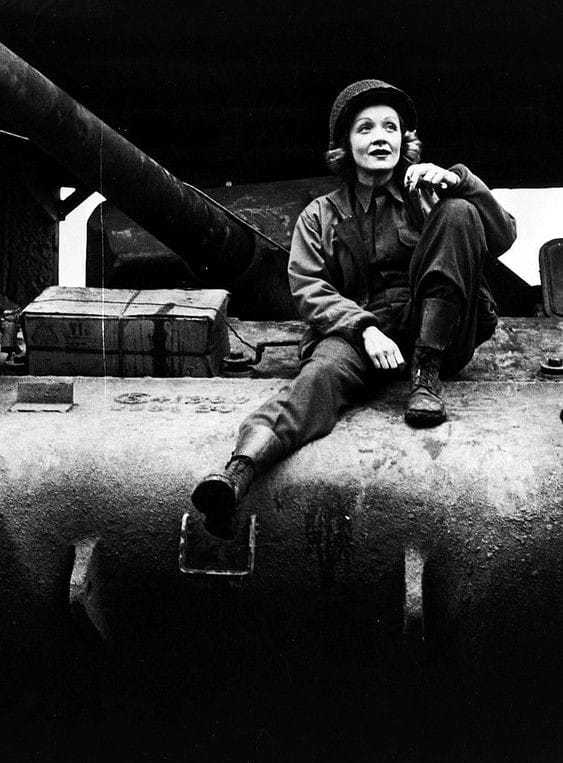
241, 90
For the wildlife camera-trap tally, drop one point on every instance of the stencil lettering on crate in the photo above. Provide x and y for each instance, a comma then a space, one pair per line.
79, 334
44, 336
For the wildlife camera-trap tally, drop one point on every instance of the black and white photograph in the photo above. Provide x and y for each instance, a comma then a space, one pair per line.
281, 367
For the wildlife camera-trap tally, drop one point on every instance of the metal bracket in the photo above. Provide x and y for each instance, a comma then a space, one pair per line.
552, 367
551, 276
84, 591
413, 611
48, 395
204, 556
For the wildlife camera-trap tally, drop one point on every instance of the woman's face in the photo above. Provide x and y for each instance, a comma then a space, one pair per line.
375, 141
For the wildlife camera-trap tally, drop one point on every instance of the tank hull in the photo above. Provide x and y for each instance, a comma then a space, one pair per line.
294, 656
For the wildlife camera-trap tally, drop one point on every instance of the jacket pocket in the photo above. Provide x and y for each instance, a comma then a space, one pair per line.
347, 276
407, 239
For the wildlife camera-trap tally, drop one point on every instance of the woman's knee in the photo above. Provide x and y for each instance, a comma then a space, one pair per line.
459, 220
321, 368
342, 369
458, 211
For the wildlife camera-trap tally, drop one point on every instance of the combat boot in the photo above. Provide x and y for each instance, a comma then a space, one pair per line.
425, 406
218, 495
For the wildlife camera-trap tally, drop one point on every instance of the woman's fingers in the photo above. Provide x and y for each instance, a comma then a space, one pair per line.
384, 353
399, 358
396, 360
388, 360
429, 174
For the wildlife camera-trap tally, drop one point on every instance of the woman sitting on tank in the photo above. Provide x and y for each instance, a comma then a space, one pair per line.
387, 272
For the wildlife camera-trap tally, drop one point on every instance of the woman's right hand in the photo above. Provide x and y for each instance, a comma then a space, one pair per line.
384, 353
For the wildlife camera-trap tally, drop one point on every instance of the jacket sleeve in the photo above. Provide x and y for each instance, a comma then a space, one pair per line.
318, 301
499, 225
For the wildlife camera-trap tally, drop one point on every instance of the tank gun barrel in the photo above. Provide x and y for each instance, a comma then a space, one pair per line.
214, 243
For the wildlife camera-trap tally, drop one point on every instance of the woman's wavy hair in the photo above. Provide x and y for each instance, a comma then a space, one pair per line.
340, 162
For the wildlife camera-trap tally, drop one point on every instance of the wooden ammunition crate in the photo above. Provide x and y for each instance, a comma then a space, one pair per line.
122, 332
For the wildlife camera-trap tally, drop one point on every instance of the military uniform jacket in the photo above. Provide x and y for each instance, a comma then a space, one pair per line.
332, 277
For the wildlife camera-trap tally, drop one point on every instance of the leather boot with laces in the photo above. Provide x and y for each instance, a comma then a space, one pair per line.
218, 495
425, 407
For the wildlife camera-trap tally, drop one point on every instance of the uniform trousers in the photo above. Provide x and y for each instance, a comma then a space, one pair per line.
446, 262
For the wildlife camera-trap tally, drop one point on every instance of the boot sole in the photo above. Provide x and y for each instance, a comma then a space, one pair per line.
215, 498
420, 419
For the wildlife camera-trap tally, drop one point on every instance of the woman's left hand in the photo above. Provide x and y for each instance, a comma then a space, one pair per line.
430, 175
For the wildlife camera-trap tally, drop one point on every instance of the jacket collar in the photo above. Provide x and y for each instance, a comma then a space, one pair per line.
342, 198
365, 193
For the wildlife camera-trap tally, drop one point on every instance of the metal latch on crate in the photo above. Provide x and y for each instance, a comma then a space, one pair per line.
44, 395
204, 556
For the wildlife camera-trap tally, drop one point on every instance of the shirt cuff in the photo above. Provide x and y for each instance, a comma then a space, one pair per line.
362, 325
